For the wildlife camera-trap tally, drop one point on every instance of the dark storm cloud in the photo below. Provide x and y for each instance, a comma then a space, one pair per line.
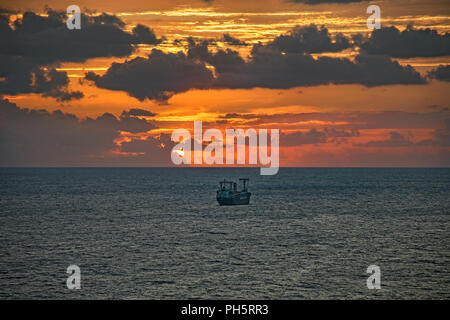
157, 77
223, 60
441, 73
198, 49
144, 35
22, 76
161, 75
407, 43
47, 39
35, 42
33, 137
310, 39
271, 69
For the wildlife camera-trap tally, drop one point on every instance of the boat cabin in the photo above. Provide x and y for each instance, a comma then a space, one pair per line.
229, 195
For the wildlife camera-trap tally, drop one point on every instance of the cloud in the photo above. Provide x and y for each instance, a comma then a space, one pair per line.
360, 120
161, 75
441, 73
223, 60
339, 136
39, 137
395, 140
4, 11
22, 76
241, 115
441, 138
300, 138
371, 157
47, 40
271, 69
313, 2
138, 113
233, 41
151, 150
338, 133
309, 39
315, 136
34, 46
144, 35
156, 77
407, 43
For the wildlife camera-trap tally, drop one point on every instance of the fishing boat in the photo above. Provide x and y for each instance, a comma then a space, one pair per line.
228, 195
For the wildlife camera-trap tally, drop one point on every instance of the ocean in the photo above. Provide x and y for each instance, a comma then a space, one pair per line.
159, 233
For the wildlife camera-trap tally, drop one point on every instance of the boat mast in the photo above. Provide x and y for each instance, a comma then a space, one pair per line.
245, 183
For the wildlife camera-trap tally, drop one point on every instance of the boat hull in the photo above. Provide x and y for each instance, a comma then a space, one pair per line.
240, 198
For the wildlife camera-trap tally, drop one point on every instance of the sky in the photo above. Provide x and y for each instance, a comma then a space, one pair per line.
111, 93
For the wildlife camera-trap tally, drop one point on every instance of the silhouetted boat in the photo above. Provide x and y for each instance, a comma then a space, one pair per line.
227, 195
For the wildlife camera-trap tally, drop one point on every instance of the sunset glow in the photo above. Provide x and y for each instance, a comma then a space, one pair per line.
336, 122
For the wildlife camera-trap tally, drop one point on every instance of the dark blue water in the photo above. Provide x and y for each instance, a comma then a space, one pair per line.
160, 234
